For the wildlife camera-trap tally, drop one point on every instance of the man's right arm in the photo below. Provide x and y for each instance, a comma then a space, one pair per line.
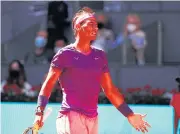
50, 81
44, 95
46, 89
57, 65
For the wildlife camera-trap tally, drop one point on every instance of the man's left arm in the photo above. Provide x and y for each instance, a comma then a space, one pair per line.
117, 99
114, 95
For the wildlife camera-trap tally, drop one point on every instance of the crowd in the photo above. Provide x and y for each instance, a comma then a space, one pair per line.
52, 38
132, 36
16, 88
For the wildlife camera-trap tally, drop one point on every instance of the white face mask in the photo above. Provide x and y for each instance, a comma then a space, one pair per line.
56, 49
131, 27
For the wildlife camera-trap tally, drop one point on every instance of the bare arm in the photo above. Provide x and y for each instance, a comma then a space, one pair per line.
50, 81
56, 67
117, 99
112, 93
44, 95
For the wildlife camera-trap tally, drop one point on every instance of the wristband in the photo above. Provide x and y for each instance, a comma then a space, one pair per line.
42, 101
124, 109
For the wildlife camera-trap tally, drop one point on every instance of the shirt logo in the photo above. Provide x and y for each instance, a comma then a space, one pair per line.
96, 58
76, 58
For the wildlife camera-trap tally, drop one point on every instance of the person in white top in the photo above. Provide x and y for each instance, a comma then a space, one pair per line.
137, 36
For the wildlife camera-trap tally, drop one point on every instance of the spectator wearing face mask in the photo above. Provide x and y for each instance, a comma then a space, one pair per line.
60, 43
105, 36
40, 55
16, 83
135, 36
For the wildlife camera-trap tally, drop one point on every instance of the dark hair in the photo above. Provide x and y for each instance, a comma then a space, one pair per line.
62, 38
21, 71
178, 81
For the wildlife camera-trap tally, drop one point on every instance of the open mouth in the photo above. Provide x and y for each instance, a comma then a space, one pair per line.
93, 33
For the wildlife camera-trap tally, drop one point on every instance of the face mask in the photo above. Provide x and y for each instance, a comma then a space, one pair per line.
56, 49
40, 42
14, 73
100, 25
131, 27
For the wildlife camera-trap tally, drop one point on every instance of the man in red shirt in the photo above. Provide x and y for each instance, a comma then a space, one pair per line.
175, 102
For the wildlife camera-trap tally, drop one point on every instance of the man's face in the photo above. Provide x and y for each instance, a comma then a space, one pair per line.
88, 28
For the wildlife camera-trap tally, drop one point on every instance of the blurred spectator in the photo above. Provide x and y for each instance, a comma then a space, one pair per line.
57, 15
178, 81
103, 99
41, 55
60, 43
175, 102
16, 84
105, 36
133, 37
137, 37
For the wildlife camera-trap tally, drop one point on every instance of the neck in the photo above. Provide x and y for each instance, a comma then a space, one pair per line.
82, 45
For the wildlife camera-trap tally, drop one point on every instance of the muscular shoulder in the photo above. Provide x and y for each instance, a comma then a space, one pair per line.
60, 60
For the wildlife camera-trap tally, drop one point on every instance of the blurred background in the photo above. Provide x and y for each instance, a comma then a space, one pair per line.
142, 63
141, 40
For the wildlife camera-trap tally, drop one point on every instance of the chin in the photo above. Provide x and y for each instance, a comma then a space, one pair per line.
93, 37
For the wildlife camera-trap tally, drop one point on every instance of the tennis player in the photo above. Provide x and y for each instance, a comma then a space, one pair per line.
81, 70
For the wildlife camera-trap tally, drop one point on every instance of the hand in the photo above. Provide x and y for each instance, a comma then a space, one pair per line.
136, 120
38, 122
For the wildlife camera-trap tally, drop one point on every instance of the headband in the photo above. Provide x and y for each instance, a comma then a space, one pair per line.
81, 19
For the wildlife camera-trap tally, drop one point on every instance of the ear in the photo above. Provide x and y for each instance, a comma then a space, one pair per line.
75, 33
78, 27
